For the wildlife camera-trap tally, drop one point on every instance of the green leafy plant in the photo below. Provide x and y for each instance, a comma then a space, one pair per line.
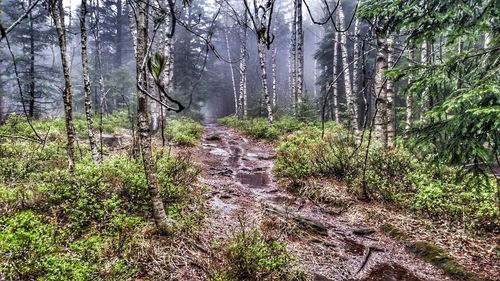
249, 256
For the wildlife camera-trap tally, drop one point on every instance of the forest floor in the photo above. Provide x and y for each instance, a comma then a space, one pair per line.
245, 194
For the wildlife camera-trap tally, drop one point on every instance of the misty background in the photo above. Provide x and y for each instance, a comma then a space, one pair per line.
207, 81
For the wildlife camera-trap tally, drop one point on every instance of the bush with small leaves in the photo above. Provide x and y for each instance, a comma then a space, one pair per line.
250, 256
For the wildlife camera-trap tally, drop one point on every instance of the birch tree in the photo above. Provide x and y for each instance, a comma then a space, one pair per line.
350, 98
243, 67
425, 56
391, 117
409, 96
293, 58
274, 74
57, 13
158, 208
233, 80
357, 66
31, 86
300, 53
335, 96
86, 84
381, 92
261, 21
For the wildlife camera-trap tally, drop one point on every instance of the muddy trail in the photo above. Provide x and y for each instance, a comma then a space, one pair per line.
238, 171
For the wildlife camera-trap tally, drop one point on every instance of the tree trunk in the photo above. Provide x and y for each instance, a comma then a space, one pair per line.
357, 68
119, 34
265, 89
335, 89
161, 220
391, 116
293, 59
1, 101
409, 97
425, 56
350, 99
31, 104
167, 75
57, 12
233, 80
102, 98
243, 69
381, 92
300, 54
86, 84
273, 70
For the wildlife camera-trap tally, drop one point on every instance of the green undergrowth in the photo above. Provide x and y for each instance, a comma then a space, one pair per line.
97, 228
250, 256
259, 127
397, 176
55, 129
183, 131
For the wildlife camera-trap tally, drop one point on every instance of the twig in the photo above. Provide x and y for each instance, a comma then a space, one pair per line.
22, 138
367, 257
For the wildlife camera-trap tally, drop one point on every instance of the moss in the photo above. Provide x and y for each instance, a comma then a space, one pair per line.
393, 231
436, 256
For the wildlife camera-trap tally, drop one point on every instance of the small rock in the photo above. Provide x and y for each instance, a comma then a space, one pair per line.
219, 152
330, 244
266, 157
209, 145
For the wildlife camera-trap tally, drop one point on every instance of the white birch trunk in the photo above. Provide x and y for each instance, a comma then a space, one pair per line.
300, 54
159, 215
57, 11
274, 74
357, 68
409, 97
351, 101
391, 116
335, 97
293, 57
243, 69
265, 89
233, 80
86, 84
381, 93
425, 94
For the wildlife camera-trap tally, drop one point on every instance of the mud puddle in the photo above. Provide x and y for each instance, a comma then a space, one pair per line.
255, 180
240, 170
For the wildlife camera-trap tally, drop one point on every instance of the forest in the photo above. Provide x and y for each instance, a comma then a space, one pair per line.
249, 140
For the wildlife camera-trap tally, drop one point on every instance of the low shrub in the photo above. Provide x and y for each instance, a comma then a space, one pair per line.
183, 131
95, 228
30, 250
55, 129
250, 256
436, 190
259, 127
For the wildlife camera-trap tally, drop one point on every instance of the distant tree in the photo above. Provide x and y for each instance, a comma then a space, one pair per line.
29, 41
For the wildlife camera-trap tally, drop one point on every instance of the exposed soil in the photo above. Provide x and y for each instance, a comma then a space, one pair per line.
238, 171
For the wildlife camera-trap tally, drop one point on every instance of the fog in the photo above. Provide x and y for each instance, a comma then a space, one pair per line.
201, 66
